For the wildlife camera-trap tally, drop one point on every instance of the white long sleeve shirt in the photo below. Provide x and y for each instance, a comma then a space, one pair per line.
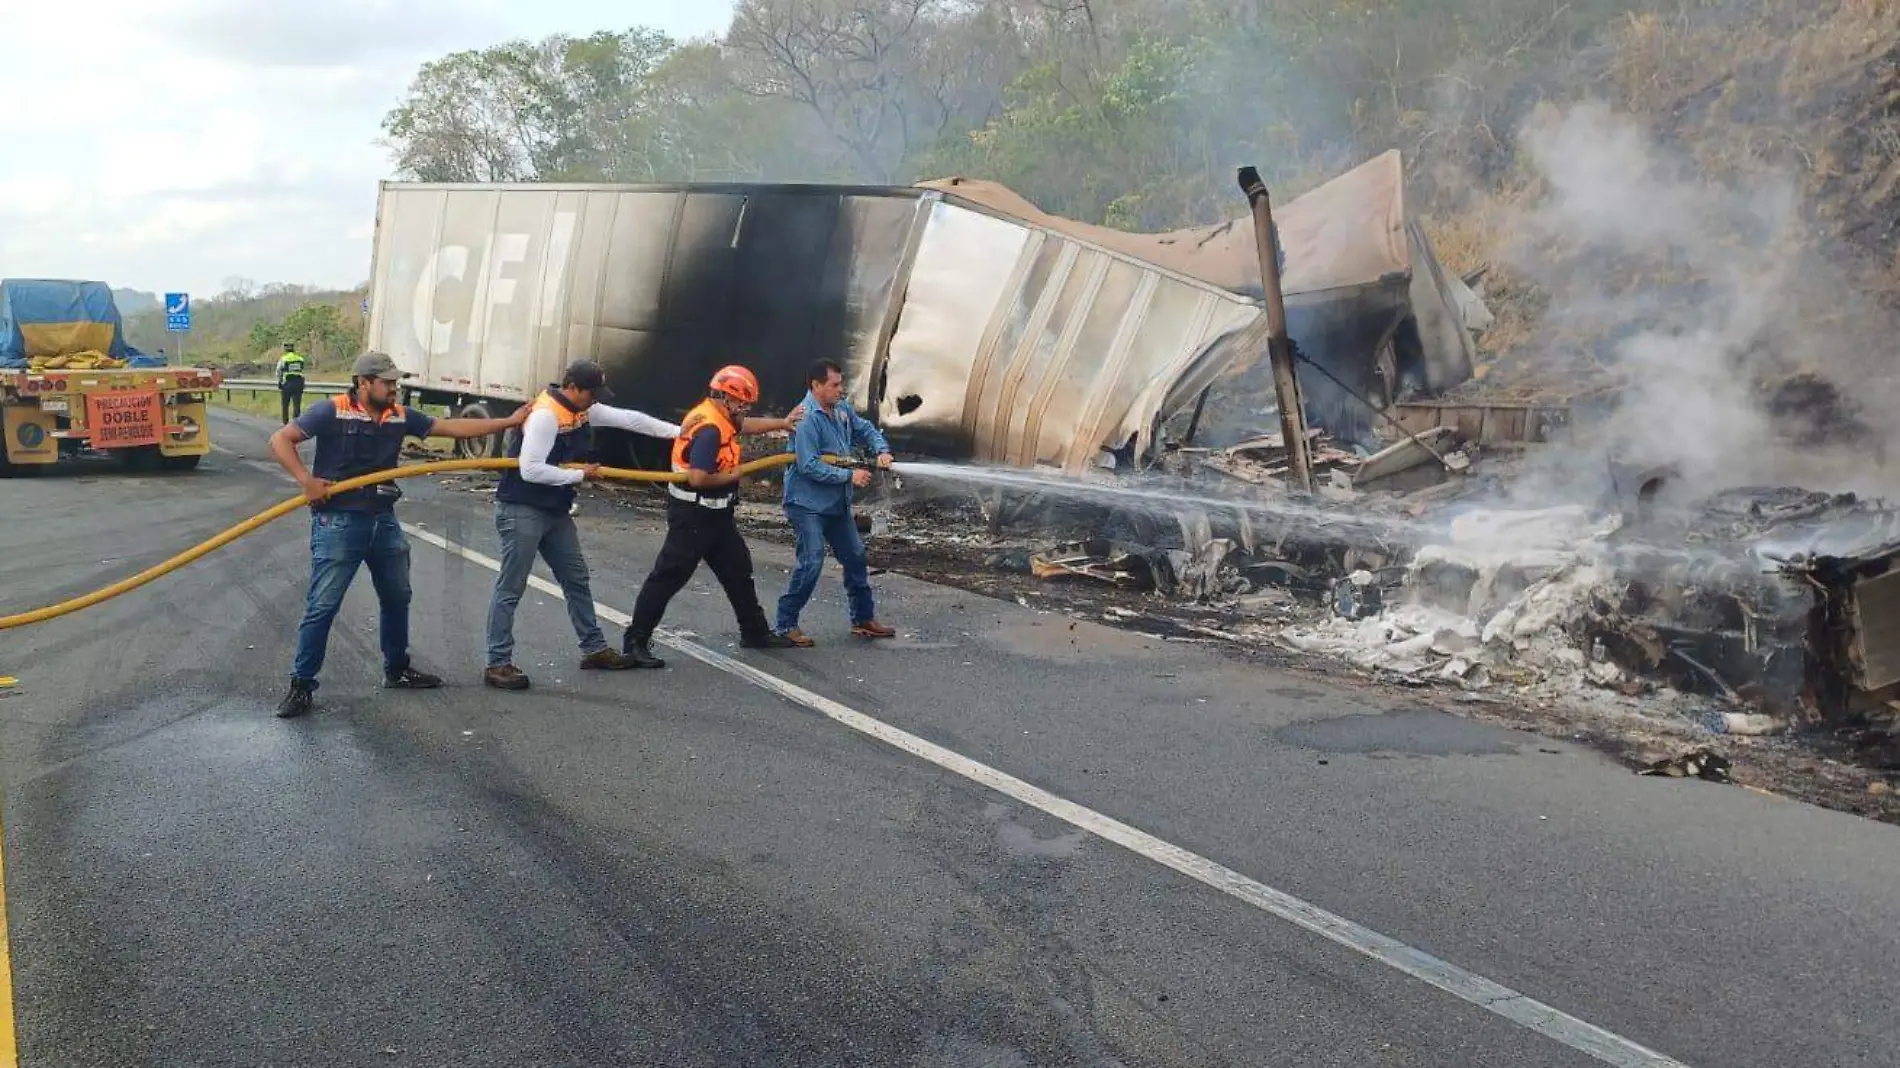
540, 430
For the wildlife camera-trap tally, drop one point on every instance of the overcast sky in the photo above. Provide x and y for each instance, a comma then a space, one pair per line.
168, 146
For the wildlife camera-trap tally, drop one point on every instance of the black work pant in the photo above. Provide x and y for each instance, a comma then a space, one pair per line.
695, 533
290, 398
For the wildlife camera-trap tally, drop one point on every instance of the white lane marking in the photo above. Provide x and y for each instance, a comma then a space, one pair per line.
1606, 1046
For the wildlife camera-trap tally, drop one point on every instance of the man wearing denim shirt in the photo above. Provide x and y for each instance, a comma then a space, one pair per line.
818, 503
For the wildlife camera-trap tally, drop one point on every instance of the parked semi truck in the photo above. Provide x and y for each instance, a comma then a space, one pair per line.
70, 384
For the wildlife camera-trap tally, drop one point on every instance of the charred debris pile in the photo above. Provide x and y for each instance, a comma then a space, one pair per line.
1753, 610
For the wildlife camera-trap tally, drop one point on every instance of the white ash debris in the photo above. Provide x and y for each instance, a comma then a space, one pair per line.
1493, 601
1408, 639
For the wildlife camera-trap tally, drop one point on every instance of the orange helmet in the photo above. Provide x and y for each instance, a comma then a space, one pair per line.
736, 382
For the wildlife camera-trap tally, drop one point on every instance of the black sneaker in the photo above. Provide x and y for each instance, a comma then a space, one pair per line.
768, 640
410, 679
298, 701
640, 653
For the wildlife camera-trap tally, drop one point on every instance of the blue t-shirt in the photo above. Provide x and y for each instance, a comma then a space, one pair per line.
351, 442
702, 454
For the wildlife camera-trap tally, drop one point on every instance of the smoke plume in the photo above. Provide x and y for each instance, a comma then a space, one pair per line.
1703, 300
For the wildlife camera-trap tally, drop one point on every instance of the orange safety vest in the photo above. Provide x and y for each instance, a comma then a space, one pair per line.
568, 425
566, 419
347, 408
696, 420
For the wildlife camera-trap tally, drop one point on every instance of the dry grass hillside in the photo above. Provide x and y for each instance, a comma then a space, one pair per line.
1740, 183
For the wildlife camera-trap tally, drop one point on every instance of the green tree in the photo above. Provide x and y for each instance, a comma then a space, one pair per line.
459, 123
319, 331
264, 337
1055, 139
561, 109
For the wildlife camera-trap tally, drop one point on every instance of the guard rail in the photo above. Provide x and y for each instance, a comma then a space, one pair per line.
269, 385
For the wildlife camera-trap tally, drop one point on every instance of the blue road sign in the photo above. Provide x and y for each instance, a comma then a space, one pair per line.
178, 312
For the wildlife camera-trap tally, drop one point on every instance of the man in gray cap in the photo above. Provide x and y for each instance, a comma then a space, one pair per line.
534, 514
359, 433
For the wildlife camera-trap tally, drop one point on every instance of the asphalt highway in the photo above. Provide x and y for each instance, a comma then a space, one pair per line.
848, 855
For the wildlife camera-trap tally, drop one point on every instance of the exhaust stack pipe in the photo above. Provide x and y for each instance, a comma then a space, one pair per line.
1286, 385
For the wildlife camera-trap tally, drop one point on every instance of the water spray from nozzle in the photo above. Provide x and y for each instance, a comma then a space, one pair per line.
1155, 500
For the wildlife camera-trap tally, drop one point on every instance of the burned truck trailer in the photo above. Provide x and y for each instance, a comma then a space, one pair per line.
964, 332
1375, 315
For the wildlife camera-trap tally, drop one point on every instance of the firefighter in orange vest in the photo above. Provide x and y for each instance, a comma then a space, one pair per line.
700, 524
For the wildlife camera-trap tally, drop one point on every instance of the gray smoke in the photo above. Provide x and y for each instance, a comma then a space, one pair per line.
1699, 297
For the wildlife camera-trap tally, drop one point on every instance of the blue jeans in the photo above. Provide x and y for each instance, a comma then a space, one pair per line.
525, 531
814, 531
339, 541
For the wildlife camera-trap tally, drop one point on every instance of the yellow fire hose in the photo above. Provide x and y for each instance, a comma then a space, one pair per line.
278, 511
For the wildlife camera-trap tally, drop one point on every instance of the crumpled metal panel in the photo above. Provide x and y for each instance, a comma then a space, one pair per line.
965, 266
1842, 537
1021, 345
1875, 649
1438, 303
883, 232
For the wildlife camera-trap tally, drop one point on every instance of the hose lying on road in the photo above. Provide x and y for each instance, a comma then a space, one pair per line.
278, 511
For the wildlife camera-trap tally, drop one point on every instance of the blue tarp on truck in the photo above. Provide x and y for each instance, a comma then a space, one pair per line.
52, 317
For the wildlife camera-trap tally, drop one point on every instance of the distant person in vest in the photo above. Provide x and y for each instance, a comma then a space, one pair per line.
359, 433
818, 503
290, 368
532, 515
699, 519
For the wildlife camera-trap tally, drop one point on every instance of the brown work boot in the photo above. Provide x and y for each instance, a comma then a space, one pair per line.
799, 638
871, 628
505, 677
609, 660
